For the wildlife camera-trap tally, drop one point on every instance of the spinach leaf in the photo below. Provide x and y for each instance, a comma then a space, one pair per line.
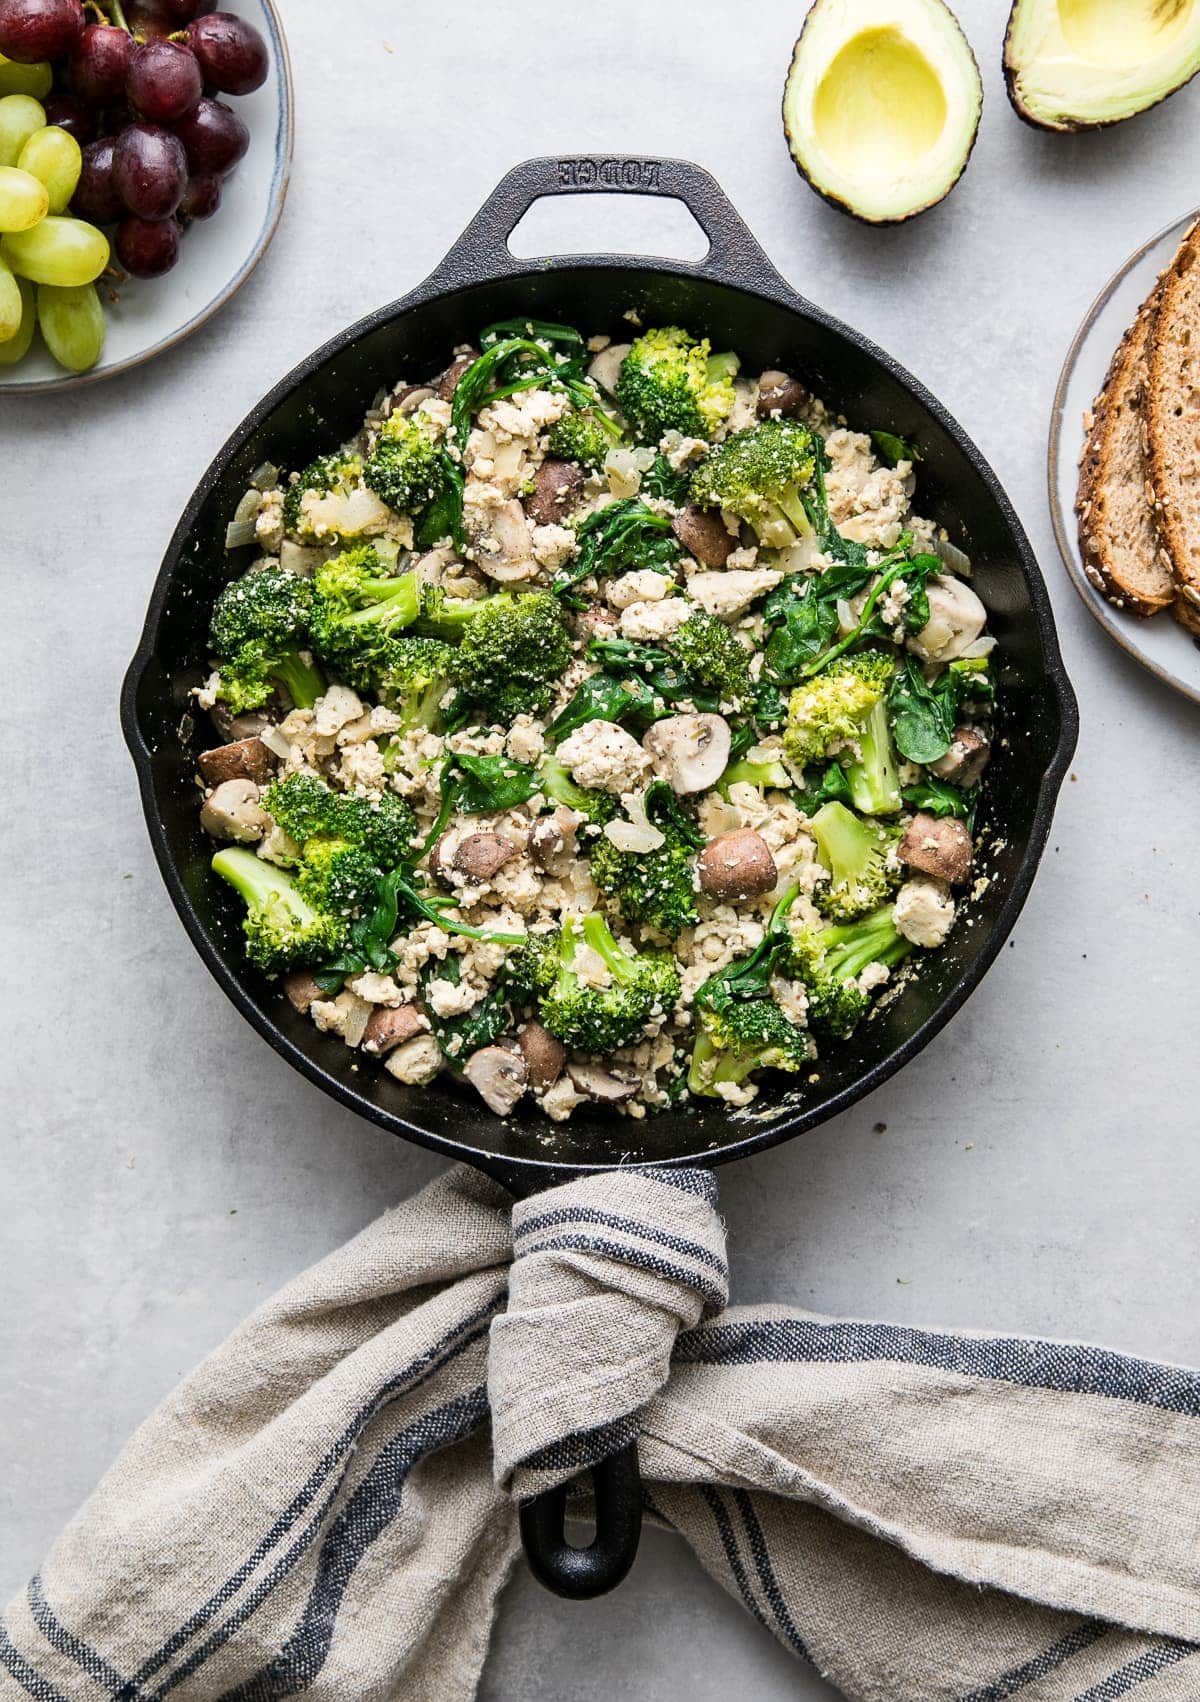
939, 798
894, 448
832, 787
664, 481
483, 783
484, 1023
617, 539
602, 697
922, 719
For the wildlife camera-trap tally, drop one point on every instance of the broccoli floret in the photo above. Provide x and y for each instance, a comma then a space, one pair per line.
670, 381
358, 610
259, 626
831, 960
760, 475
514, 649
597, 1019
713, 658
412, 680
558, 785
405, 469
733, 1043
833, 707
654, 888
338, 877
585, 435
282, 928
330, 475
855, 852
308, 810
874, 775
765, 776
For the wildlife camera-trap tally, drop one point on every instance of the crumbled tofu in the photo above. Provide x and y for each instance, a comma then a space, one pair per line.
728, 595
559, 1101
924, 910
553, 546
644, 586
416, 1062
445, 999
604, 757
377, 989
362, 770
526, 740
680, 451
336, 710
268, 522
652, 623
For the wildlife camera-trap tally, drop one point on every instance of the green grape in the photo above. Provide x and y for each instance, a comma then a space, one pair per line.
24, 199
36, 80
72, 323
12, 306
55, 158
17, 347
65, 252
20, 117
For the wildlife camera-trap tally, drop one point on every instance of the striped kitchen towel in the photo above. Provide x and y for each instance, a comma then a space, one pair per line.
326, 1506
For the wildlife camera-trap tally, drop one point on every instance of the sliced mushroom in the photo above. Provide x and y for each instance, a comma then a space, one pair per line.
505, 552
553, 835
965, 761
409, 398
937, 846
737, 865
390, 1026
690, 752
544, 1054
600, 1084
956, 619
233, 811
606, 368
247, 726
557, 490
449, 381
499, 1076
481, 855
442, 854
779, 394
703, 535
302, 991
247, 759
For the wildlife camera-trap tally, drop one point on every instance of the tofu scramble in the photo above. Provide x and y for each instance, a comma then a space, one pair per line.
600, 724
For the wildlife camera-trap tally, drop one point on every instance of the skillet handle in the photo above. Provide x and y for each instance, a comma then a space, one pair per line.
582, 1573
482, 254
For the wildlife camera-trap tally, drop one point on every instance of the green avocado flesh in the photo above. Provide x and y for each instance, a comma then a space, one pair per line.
1077, 64
882, 104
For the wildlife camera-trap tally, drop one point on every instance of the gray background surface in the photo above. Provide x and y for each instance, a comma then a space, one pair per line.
162, 1171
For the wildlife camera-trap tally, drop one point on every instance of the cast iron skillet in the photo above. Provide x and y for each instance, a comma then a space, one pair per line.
735, 297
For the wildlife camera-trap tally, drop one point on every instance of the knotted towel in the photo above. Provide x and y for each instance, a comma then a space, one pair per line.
323, 1507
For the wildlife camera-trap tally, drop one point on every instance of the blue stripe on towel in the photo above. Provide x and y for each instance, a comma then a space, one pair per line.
584, 1449
1063, 1366
702, 1183
1140, 1670
1074, 1643
634, 1256
733, 1558
15, 1663
628, 1226
66, 1643
761, 1555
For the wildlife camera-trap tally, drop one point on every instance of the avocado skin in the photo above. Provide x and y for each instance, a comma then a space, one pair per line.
1066, 126
836, 201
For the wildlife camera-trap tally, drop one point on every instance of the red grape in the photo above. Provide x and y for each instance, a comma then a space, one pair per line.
213, 136
31, 30
100, 64
149, 171
232, 54
147, 248
148, 18
202, 196
71, 114
164, 80
96, 198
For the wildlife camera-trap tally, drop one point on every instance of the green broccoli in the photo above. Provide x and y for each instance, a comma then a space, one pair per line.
760, 475
405, 468
308, 810
514, 650
330, 475
832, 708
259, 627
282, 928
731, 1044
336, 876
585, 435
654, 888
358, 611
642, 986
713, 658
670, 381
831, 960
855, 852
765, 776
560, 788
412, 680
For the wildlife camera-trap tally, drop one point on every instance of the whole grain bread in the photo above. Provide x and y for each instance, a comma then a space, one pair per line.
1119, 539
1172, 413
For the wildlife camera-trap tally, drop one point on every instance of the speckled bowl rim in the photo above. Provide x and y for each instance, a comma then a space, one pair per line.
285, 137
1123, 629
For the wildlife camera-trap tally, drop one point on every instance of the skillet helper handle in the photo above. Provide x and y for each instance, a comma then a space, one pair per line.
482, 252
583, 1573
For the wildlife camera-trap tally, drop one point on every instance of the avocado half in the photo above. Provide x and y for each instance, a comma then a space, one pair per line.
1080, 64
881, 105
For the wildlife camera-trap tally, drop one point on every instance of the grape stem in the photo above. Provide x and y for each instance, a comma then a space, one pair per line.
117, 15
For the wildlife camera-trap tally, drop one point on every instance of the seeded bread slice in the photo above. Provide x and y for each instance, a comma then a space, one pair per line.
1172, 412
1119, 539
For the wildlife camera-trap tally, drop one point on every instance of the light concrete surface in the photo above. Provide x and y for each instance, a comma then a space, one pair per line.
161, 1171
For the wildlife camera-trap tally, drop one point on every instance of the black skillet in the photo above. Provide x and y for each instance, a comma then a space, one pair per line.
735, 297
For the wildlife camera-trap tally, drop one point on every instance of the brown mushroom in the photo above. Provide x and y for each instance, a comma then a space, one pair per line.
737, 865
449, 381
409, 397
552, 835
302, 991
499, 1077
557, 490
389, 1026
247, 759
505, 550
965, 761
690, 752
704, 535
940, 847
247, 726
440, 858
600, 1084
481, 855
232, 811
779, 394
544, 1054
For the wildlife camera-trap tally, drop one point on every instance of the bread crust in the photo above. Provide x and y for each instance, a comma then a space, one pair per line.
1174, 331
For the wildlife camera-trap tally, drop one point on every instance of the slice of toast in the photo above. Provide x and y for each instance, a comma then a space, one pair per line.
1119, 538
1172, 413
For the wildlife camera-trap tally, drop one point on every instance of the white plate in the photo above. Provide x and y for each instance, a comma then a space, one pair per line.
217, 255
1160, 644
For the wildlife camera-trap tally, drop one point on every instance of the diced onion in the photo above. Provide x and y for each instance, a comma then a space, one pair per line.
847, 619
276, 743
981, 647
953, 557
266, 477
249, 506
239, 533
357, 1018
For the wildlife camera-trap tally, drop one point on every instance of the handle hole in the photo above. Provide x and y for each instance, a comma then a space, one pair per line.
608, 224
